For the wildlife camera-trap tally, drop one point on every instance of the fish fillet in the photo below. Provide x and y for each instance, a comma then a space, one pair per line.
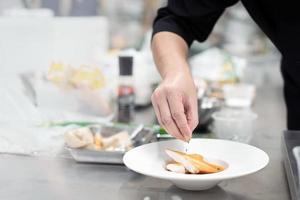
193, 163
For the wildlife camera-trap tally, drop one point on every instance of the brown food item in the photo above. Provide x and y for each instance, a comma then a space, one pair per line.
194, 163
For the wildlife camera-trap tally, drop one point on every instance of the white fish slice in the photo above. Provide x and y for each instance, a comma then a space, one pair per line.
176, 167
180, 158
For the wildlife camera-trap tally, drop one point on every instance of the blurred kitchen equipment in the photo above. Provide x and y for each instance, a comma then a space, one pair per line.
234, 124
35, 13
32, 3
79, 40
296, 153
223, 68
126, 93
144, 70
80, 8
291, 152
15, 107
121, 14
11, 4
239, 95
206, 108
136, 131
27, 37
248, 38
207, 104
29, 89
83, 90
263, 70
66, 7
40, 38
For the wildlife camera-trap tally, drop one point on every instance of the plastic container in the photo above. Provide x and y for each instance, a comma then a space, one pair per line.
239, 95
234, 124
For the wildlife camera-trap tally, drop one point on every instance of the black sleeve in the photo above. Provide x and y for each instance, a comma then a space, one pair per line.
190, 19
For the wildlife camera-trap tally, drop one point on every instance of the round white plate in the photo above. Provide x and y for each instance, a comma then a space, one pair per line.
238, 158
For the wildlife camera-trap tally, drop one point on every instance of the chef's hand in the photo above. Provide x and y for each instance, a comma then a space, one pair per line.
175, 104
175, 99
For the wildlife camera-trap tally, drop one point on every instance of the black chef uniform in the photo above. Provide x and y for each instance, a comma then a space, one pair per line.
279, 20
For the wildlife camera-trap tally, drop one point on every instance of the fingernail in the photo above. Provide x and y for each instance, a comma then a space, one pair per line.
186, 138
189, 136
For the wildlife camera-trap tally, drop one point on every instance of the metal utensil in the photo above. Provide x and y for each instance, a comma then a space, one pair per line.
207, 106
136, 131
133, 135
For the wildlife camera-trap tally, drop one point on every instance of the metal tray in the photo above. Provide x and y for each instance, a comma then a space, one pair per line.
145, 136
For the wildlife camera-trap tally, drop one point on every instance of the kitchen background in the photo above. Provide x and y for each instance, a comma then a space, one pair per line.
59, 64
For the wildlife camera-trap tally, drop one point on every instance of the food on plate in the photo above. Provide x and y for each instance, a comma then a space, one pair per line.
175, 167
85, 138
192, 163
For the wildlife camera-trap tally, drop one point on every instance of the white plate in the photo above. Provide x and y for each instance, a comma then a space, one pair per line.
239, 160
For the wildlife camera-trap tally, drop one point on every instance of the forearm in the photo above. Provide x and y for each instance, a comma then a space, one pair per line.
170, 54
174, 100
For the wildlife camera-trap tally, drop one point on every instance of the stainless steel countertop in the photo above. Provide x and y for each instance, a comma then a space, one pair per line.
23, 178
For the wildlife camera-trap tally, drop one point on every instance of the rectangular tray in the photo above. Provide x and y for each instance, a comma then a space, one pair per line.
290, 140
145, 136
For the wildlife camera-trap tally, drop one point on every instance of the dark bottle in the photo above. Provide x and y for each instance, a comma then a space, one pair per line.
126, 94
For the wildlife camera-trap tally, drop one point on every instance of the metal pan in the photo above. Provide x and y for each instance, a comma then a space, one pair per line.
145, 136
